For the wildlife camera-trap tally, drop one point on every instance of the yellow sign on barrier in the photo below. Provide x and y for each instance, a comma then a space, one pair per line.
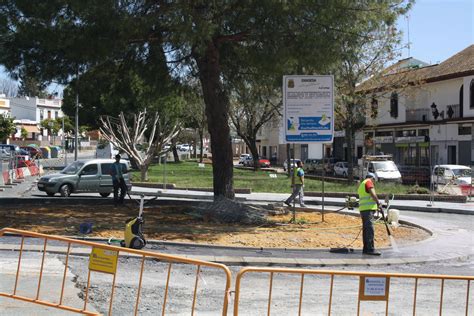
374, 288
103, 260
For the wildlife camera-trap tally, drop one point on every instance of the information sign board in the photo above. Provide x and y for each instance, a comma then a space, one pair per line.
308, 103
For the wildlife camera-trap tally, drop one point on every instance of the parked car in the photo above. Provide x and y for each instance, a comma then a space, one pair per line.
33, 151
455, 174
262, 163
247, 161
83, 176
341, 169
242, 158
292, 164
5, 154
311, 165
10, 147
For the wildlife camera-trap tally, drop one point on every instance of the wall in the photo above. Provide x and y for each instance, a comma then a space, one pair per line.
22, 108
468, 110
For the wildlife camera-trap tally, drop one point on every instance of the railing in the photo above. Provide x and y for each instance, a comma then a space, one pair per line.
448, 112
418, 115
103, 259
346, 288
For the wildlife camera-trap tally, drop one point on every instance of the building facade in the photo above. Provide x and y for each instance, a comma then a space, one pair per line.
421, 114
29, 112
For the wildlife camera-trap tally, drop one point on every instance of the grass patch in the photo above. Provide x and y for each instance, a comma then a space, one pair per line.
188, 175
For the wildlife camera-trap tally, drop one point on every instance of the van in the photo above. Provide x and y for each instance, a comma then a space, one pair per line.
382, 167
91, 176
453, 174
108, 151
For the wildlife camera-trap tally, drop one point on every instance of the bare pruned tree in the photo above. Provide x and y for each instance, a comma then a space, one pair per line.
8, 87
127, 134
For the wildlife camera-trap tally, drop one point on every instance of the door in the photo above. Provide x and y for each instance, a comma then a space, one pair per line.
106, 184
452, 155
88, 178
465, 153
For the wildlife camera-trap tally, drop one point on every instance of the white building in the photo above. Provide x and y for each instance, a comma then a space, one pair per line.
422, 112
29, 112
5, 106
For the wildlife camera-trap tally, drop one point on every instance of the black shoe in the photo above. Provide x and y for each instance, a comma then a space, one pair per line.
287, 203
372, 253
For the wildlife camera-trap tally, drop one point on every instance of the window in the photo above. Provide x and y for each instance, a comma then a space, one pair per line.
89, 170
423, 132
374, 106
394, 105
464, 130
49, 114
461, 101
471, 94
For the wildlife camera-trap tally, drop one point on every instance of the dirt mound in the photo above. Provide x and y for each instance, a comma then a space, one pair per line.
208, 225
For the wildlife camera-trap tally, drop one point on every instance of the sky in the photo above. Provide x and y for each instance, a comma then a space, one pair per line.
438, 29
435, 29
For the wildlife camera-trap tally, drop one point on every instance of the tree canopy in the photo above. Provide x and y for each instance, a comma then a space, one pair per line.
116, 53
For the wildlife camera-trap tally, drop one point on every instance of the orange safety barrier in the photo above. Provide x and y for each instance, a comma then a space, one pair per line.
372, 286
104, 259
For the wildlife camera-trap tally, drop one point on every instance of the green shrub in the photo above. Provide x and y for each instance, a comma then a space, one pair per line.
416, 189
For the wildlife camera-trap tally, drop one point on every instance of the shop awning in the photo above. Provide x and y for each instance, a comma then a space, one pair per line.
31, 128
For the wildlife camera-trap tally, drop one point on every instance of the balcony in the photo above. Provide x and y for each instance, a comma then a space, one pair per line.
433, 114
418, 115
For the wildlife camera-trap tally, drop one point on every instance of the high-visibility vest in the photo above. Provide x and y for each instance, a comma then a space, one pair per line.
366, 203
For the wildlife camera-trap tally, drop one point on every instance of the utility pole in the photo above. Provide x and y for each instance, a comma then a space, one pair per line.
76, 127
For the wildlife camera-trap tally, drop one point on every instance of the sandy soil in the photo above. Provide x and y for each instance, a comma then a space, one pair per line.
182, 224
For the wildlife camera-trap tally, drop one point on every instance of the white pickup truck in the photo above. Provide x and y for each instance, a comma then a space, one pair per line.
382, 166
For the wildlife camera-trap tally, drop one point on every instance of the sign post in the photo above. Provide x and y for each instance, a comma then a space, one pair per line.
308, 103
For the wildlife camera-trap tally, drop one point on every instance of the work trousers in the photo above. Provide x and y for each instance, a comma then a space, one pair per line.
119, 184
297, 190
367, 230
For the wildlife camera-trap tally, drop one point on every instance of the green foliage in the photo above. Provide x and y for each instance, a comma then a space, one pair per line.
51, 125
24, 133
7, 127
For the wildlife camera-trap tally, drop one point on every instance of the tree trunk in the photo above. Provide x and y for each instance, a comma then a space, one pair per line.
175, 152
217, 112
143, 173
288, 159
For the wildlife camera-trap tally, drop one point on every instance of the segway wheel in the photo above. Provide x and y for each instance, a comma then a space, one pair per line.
137, 243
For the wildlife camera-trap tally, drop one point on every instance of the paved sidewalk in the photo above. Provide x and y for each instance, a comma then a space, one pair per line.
452, 227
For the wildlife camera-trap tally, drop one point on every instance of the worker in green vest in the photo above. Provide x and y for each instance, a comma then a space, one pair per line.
368, 204
298, 185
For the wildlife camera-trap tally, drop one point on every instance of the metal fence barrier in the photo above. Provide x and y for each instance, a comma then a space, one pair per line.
368, 287
104, 259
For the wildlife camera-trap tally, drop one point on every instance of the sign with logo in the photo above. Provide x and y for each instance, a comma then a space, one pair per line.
308, 103
103, 260
383, 139
410, 139
373, 288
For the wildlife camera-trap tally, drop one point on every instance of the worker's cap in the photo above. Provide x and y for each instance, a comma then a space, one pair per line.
118, 156
370, 175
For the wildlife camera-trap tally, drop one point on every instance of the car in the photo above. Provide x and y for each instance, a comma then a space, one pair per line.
341, 168
262, 163
5, 154
83, 176
292, 165
10, 147
242, 158
451, 174
311, 165
247, 161
34, 152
